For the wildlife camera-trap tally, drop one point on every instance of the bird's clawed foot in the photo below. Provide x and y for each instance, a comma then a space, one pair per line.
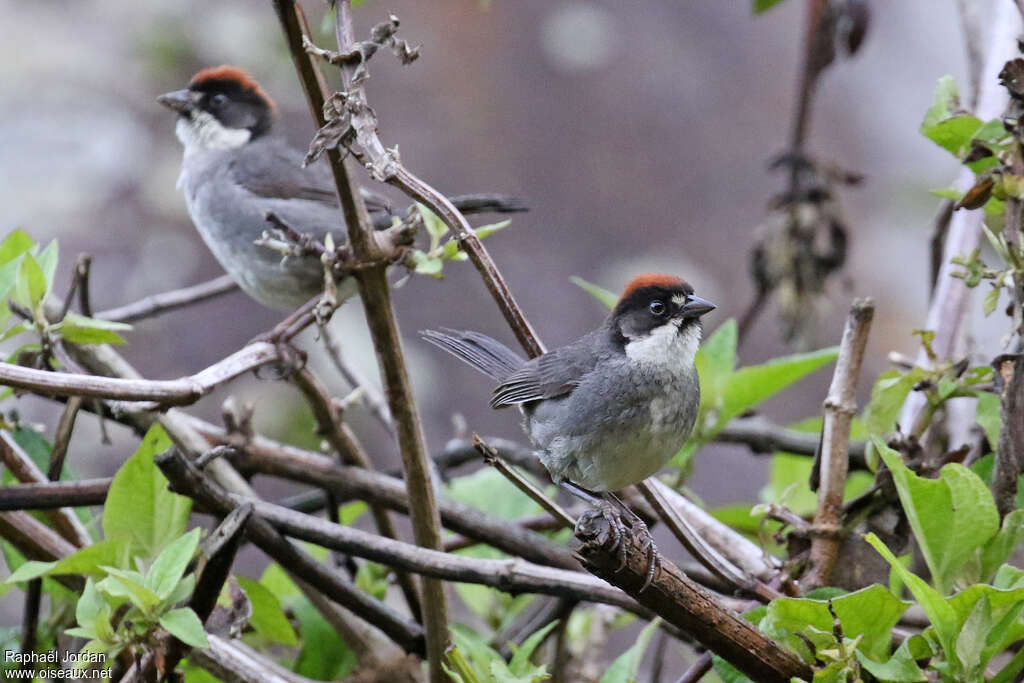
620, 526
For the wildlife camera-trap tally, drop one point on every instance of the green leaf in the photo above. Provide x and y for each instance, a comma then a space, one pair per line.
30, 285
79, 329
31, 569
951, 517
126, 584
139, 506
427, 265
436, 227
1011, 670
486, 489
14, 245
520, 662
715, 361
940, 613
989, 418
945, 124
887, 398
900, 668
605, 296
753, 384
991, 300
324, 656
87, 560
626, 666
184, 625
48, 263
89, 605
764, 5
350, 512
267, 616
869, 614
1001, 546
169, 566
485, 231
972, 636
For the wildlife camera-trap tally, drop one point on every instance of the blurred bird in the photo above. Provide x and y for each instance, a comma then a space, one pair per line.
611, 408
235, 171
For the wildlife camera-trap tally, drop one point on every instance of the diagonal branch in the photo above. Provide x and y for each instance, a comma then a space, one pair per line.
684, 604
158, 304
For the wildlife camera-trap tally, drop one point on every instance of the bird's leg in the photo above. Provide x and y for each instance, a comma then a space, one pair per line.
608, 506
640, 530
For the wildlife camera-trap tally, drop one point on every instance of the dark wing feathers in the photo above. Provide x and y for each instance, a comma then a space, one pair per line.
554, 374
487, 355
272, 169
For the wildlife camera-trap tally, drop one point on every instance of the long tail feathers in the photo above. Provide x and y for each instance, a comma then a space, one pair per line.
487, 355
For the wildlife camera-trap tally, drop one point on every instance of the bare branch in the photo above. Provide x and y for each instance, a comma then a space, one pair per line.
687, 606
765, 438
187, 480
348, 448
318, 470
732, 545
158, 304
57, 494
162, 392
513, 575
233, 661
22, 467
840, 407
705, 553
492, 458
374, 401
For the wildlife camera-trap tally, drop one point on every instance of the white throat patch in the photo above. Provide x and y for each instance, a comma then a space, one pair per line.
666, 344
202, 132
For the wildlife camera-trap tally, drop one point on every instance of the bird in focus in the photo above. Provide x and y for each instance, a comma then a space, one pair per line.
611, 408
235, 171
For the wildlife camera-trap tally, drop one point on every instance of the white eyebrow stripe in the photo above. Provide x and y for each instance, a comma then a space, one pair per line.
679, 299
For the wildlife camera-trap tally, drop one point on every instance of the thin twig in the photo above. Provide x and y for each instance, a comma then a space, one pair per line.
348, 448
376, 404
318, 470
697, 670
158, 304
25, 470
82, 269
840, 407
187, 480
62, 438
513, 575
492, 458
739, 551
704, 552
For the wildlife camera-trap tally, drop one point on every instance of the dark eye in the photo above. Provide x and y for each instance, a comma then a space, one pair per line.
657, 307
218, 100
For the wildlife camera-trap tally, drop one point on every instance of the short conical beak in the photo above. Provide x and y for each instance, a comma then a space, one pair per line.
695, 307
179, 100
